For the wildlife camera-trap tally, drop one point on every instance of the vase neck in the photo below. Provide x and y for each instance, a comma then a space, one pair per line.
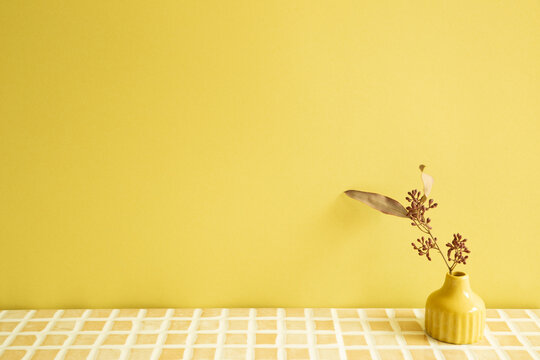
458, 281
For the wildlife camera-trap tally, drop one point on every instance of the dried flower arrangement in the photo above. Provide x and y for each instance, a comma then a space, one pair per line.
419, 204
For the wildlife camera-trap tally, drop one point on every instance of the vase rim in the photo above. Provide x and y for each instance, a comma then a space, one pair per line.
458, 275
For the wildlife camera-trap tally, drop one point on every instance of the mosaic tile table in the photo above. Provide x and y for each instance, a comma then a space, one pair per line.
254, 334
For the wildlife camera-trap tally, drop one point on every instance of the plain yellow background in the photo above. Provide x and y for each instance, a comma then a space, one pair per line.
195, 153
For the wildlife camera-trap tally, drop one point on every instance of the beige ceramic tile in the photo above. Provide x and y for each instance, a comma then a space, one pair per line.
35, 326
64, 325
95, 325
13, 354
358, 355
324, 339
492, 314
237, 324
108, 354
176, 339
291, 312
45, 354
322, 313
266, 324
203, 354
516, 313
534, 340
128, 313
235, 339
140, 354
416, 339
183, 312
390, 354
485, 354
380, 326
262, 339
179, 324
44, 314
328, 354
295, 325
156, 313
508, 340
454, 355
15, 314
351, 340
297, 354
3, 339
100, 313
115, 339
527, 326
376, 313
24, 340
324, 325
77, 354
146, 339
422, 354
404, 313
265, 353
266, 312
171, 354
54, 340
208, 324
151, 325
211, 312
206, 339
350, 326
348, 313
85, 339
7, 326
409, 325
296, 339
233, 353
385, 339
497, 326
122, 325
239, 313
519, 355
73, 313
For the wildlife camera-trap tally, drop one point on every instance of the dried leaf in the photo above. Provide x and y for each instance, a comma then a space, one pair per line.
379, 202
427, 180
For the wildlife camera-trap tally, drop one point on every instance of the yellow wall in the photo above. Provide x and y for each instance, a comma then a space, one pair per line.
194, 153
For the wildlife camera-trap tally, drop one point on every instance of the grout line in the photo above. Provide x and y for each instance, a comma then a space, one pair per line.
339, 334
310, 333
162, 335
252, 325
192, 334
368, 334
221, 333
281, 337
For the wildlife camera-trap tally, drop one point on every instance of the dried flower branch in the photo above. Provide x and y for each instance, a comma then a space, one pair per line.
416, 211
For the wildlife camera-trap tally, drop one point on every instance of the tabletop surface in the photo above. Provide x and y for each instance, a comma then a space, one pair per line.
267, 333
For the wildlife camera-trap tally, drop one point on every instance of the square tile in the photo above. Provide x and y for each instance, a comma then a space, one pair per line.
77, 354
492, 314
176, 339
100, 313
151, 325
324, 325
519, 355
146, 339
266, 312
8, 326
348, 313
385, 340
376, 313
419, 339
203, 354
359, 355
297, 354
263, 339
23, 340
324, 339
235, 339
93, 325
404, 313
508, 340
44, 314
15, 314
35, 326
156, 313
454, 355
266, 324
487, 354
295, 325
296, 339
497, 326
390, 354
122, 325
526, 326
73, 313
409, 325
328, 353
350, 326
12, 354
516, 313
85, 339
239, 312
115, 339
380, 326
128, 313
183, 312
265, 353
233, 353
54, 340
322, 313
534, 340
108, 354
179, 324
140, 354
422, 354
211, 313
292, 312
351, 340
208, 324
206, 339
171, 354
45, 354
237, 324
63, 325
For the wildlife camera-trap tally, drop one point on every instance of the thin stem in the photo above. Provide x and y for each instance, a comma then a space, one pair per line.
426, 230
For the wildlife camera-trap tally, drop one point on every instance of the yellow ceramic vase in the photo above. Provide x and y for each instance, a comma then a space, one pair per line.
454, 313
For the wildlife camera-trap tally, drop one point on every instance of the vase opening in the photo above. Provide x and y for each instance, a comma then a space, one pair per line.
459, 273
